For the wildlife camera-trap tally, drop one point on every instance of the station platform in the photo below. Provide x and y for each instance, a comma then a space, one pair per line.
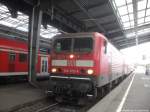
14, 95
132, 95
138, 98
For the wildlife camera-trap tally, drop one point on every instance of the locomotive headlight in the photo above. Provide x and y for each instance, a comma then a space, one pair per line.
71, 56
90, 71
53, 70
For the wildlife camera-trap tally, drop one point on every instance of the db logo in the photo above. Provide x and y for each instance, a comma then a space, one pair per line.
71, 63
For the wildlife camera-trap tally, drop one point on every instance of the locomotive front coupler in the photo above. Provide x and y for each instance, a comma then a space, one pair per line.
71, 85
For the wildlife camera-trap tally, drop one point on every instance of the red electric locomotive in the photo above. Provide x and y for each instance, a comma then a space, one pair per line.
81, 63
14, 59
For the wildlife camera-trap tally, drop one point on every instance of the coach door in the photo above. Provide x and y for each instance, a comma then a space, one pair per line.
12, 60
44, 65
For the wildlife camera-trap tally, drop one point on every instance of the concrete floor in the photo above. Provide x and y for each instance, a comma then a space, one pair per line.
12, 95
138, 99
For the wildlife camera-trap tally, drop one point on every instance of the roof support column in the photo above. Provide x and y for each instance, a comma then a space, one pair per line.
33, 42
135, 19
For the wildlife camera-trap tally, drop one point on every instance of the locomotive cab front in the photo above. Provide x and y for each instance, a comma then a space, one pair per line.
73, 66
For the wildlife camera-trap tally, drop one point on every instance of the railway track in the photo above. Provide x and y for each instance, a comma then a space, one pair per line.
47, 105
60, 108
44, 109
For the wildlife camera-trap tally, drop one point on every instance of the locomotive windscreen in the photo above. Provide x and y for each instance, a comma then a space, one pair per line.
73, 44
63, 44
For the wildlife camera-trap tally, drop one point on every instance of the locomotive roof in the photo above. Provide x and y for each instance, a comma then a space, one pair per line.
81, 34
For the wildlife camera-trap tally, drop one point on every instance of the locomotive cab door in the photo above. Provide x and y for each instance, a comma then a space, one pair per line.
44, 65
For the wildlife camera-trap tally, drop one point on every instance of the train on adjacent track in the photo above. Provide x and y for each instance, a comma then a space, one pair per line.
82, 64
14, 59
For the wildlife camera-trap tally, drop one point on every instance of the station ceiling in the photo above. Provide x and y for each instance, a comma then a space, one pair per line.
122, 21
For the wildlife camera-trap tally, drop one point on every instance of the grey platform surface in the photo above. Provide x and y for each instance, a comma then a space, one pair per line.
138, 99
17, 94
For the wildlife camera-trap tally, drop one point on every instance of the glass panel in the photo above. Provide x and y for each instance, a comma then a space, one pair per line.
45, 65
140, 20
63, 44
12, 57
42, 65
129, 1
130, 8
141, 4
147, 12
127, 24
22, 57
131, 17
148, 5
147, 19
125, 18
129, 35
123, 10
141, 14
120, 2
21, 23
83, 44
132, 23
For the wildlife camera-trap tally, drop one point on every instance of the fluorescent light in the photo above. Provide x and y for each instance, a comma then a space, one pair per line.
127, 28
131, 35
123, 10
140, 32
22, 29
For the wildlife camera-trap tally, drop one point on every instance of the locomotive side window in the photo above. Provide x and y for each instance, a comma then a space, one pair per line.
22, 57
105, 46
63, 44
12, 57
83, 44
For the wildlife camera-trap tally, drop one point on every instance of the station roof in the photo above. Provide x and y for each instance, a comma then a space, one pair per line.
120, 20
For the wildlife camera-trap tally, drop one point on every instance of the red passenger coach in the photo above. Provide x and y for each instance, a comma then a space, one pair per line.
81, 63
14, 59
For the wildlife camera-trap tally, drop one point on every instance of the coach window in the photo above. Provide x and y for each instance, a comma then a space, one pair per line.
105, 46
22, 57
12, 57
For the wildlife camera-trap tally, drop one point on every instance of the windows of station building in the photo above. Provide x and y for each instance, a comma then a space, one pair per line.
12, 57
22, 57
